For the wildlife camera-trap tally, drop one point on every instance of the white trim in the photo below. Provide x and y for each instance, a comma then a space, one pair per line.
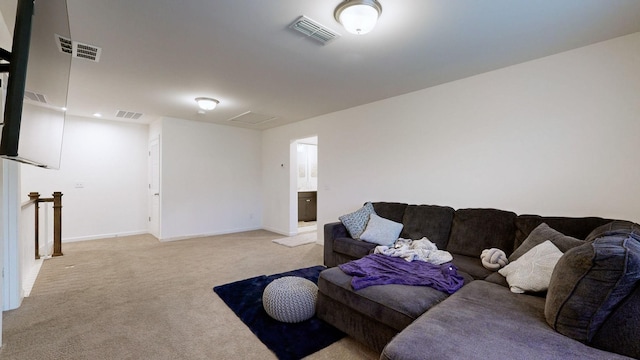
30, 279
277, 231
195, 236
11, 289
104, 236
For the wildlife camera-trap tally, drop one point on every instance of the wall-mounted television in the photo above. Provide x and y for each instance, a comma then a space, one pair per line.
38, 83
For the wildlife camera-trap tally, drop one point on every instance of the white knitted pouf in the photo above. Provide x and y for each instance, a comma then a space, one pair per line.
290, 299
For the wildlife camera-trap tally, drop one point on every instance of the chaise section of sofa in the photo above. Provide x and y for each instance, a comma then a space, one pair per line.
486, 321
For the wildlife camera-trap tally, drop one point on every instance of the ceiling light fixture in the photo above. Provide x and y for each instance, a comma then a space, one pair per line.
207, 103
358, 16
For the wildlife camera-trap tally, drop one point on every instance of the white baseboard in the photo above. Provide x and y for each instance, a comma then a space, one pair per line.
174, 238
195, 236
104, 236
30, 279
279, 231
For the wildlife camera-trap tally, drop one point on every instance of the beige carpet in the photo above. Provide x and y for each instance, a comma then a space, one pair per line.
136, 298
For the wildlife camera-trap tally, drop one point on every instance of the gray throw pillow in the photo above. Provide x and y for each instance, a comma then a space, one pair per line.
589, 282
381, 231
541, 234
356, 221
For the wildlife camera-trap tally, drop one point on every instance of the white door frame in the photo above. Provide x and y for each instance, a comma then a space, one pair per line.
154, 187
293, 183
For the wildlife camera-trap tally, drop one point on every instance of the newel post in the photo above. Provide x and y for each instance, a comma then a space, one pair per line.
57, 223
34, 196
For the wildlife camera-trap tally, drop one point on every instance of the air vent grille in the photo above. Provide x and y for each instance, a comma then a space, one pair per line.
86, 51
251, 118
77, 49
34, 96
128, 115
314, 30
65, 45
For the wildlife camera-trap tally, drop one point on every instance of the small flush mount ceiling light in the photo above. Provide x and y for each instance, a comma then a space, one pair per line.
207, 103
358, 16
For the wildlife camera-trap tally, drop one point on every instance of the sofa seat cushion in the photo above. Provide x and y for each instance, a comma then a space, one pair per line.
486, 321
394, 305
471, 265
353, 248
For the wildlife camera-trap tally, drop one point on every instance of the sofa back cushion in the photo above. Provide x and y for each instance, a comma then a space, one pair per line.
578, 228
474, 230
390, 210
589, 282
430, 221
614, 227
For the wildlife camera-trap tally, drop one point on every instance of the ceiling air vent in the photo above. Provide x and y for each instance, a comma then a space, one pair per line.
251, 118
314, 30
65, 45
86, 51
128, 115
78, 49
34, 96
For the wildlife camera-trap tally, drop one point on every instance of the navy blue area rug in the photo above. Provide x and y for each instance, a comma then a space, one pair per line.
287, 341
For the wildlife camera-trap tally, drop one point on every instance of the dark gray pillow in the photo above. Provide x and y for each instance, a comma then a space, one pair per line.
541, 234
589, 282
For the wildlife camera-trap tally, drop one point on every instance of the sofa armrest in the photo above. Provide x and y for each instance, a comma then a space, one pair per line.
331, 232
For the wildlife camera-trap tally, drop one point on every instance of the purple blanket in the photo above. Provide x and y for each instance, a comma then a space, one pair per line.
377, 269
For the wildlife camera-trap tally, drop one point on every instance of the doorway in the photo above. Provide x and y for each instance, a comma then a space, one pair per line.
306, 169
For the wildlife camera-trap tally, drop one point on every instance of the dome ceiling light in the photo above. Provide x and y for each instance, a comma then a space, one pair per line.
206, 103
358, 16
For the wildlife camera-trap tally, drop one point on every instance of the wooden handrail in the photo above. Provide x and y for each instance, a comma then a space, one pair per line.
57, 221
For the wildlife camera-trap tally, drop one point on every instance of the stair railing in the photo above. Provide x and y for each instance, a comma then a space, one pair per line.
57, 221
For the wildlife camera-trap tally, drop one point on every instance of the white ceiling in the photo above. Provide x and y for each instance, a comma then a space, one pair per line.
158, 55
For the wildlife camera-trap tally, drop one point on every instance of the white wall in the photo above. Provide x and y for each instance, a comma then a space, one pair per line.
211, 179
279, 158
553, 136
103, 178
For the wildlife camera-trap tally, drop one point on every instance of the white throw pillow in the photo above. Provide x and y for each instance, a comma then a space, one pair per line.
532, 271
381, 231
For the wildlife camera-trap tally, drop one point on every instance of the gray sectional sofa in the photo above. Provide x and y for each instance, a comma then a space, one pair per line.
591, 310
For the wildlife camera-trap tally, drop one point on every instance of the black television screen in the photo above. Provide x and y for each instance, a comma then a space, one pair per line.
36, 93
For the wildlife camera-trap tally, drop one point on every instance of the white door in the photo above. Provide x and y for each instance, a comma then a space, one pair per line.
154, 187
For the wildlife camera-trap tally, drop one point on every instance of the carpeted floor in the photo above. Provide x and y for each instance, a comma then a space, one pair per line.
136, 298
